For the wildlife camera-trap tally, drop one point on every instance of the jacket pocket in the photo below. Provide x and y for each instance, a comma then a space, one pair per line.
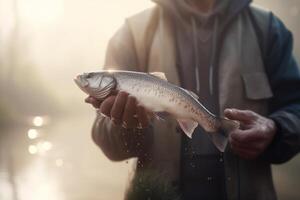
257, 86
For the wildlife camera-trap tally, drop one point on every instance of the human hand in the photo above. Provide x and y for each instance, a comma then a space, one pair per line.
122, 109
255, 134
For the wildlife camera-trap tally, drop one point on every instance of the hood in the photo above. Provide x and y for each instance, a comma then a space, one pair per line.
221, 15
183, 11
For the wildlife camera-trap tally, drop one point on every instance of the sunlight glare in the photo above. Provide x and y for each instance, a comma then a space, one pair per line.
43, 147
32, 149
38, 121
59, 162
32, 134
41, 11
47, 145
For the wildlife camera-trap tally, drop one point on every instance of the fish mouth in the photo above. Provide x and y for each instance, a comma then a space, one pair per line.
81, 83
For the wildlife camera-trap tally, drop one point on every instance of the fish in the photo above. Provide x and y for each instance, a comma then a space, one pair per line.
156, 94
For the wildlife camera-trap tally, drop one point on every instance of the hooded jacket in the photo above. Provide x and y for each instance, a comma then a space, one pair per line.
258, 63
195, 35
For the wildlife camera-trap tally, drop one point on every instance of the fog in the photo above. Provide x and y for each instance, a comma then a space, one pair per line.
43, 45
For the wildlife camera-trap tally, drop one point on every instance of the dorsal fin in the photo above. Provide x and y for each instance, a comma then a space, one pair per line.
160, 75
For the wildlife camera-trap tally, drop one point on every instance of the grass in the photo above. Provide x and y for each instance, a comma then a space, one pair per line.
150, 186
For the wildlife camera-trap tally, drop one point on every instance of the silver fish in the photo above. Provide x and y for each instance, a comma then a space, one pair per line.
158, 95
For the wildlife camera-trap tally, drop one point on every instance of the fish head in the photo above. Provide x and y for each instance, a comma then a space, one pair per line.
96, 84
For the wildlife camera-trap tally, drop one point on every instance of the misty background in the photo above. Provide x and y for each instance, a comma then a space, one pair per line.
46, 150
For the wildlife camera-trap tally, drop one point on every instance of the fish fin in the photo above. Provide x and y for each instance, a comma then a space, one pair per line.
188, 126
193, 94
228, 125
160, 75
220, 138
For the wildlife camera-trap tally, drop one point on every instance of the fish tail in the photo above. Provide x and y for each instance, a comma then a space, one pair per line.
220, 138
228, 125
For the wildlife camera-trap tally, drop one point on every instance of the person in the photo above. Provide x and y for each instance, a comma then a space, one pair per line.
238, 59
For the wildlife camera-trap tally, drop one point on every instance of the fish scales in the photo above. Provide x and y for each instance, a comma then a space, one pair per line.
158, 95
165, 89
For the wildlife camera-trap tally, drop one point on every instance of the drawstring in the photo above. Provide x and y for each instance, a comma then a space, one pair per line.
196, 54
213, 55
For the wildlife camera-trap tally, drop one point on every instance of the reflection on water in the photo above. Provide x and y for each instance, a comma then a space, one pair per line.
32, 149
62, 163
39, 182
38, 121
32, 134
59, 161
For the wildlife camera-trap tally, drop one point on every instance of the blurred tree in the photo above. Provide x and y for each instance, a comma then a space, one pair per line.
22, 91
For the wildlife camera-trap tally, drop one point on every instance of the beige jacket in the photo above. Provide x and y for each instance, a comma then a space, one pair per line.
147, 42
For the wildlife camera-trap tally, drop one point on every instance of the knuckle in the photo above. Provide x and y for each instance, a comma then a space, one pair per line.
248, 113
131, 99
104, 110
130, 105
122, 95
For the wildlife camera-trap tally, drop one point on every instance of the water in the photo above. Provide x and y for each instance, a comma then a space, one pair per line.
64, 164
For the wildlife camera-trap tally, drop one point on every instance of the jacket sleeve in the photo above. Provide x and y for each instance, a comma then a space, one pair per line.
284, 77
116, 142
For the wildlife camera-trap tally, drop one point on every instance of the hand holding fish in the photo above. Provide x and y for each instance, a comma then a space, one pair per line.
255, 134
122, 109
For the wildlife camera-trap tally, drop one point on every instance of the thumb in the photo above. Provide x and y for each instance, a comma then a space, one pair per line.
239, 115
92, 101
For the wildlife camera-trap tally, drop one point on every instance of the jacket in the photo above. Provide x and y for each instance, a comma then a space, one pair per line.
265, 77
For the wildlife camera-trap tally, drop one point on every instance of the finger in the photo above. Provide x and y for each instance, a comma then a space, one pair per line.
91, 100
142, 116
253, 146
106, 105
117, 109
239, 115
244, 153
129, 111
246, 136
